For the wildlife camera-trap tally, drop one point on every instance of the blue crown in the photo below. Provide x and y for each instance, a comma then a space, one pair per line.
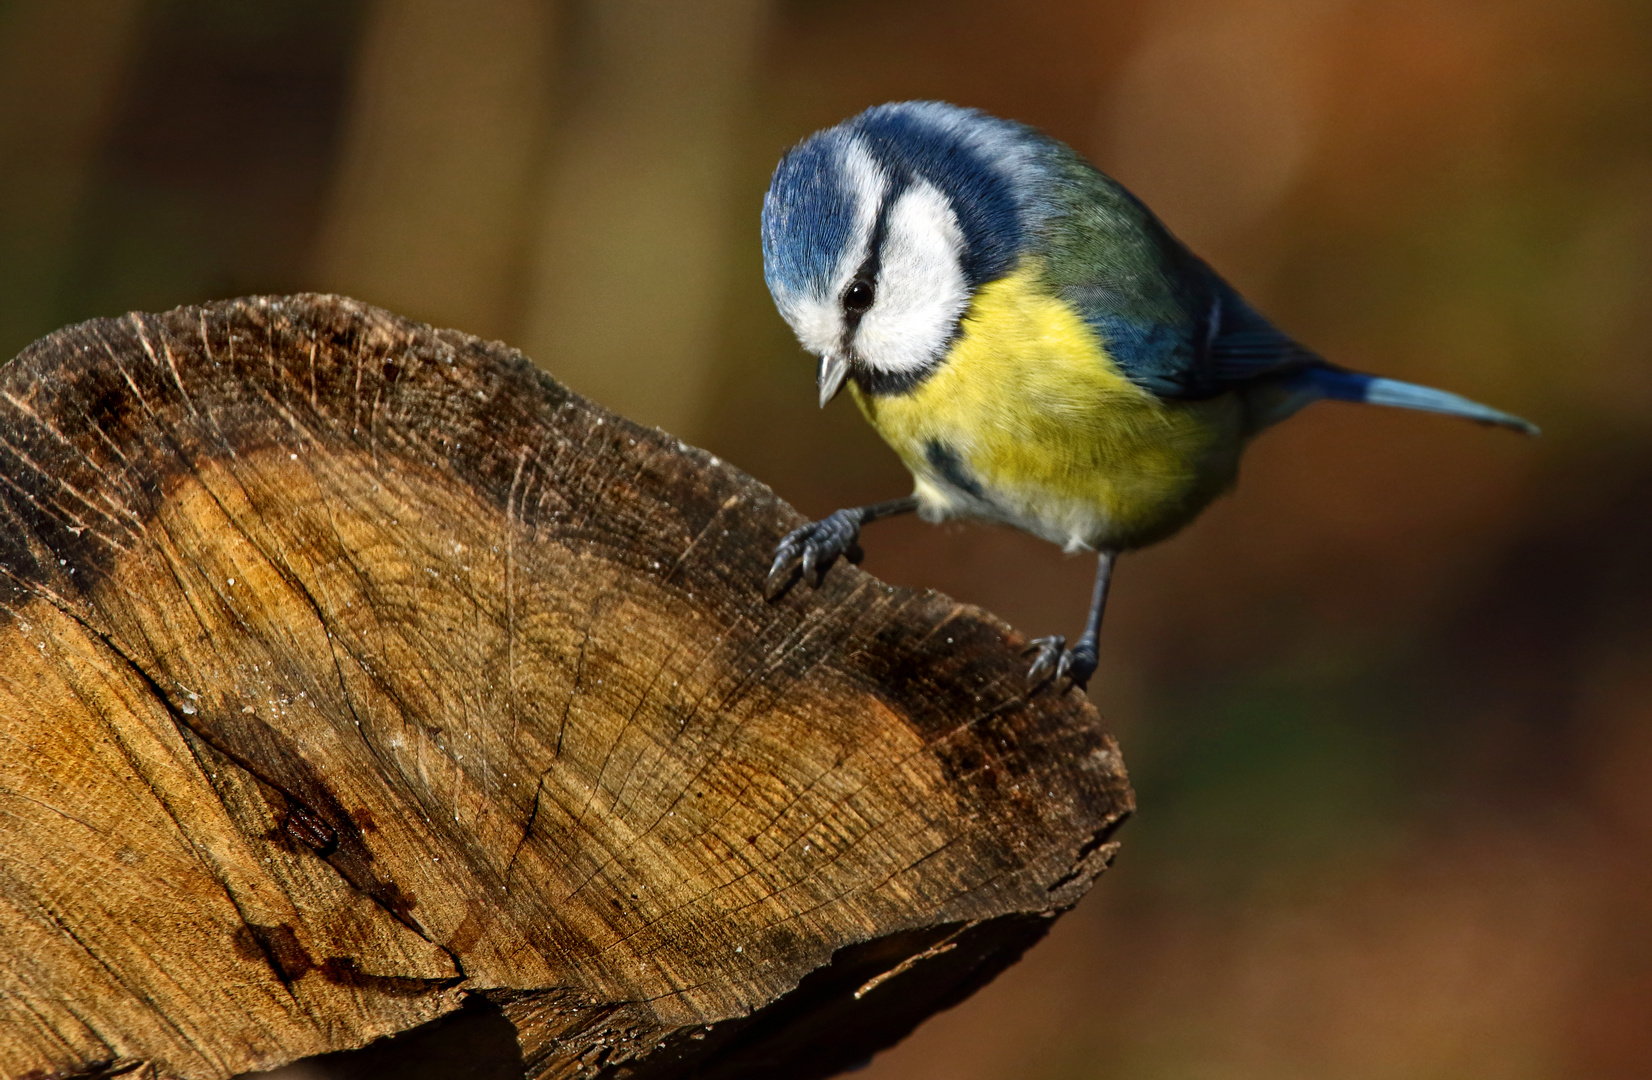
978, 162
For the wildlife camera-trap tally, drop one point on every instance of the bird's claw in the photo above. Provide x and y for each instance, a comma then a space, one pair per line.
1052, 656
812, 549
1055, 660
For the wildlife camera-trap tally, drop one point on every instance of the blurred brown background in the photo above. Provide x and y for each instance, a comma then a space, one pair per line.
1389, 709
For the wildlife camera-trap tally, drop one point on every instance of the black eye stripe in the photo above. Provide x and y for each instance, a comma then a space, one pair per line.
880, 225
904, 143
868, 272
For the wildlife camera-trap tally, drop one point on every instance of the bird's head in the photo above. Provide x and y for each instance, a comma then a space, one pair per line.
878, 232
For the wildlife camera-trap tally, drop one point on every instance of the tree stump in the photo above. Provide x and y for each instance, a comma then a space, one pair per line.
354, 674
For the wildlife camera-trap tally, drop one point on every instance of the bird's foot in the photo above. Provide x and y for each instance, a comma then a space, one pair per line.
1056, 661
813, 549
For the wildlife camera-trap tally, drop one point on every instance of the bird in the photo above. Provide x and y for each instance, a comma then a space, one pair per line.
1034, 344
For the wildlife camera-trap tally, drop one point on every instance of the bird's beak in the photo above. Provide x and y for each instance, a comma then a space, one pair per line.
833, 371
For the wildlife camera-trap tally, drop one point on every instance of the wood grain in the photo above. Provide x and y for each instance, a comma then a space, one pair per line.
351, 671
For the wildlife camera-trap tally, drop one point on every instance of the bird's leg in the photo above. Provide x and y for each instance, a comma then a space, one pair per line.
812, 549
1079, 662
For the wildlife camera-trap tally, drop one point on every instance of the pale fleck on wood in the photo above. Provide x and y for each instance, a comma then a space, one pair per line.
354, 673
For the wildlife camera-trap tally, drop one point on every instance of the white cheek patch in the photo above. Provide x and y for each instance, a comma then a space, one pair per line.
817, 318
921, 289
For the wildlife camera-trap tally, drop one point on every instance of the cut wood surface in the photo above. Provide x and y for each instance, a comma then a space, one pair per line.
354, 674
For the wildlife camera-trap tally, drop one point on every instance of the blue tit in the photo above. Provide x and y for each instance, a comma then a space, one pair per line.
1032, 342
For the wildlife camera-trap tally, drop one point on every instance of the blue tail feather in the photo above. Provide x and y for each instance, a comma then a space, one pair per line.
1340, 385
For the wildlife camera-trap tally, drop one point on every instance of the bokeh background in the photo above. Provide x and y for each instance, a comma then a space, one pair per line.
1388, 709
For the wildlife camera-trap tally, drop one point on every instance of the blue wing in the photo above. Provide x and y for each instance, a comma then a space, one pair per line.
1179, 331
1240, 350
1168, 320
1200, 340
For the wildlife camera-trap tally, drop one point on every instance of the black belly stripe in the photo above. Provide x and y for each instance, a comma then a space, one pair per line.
945, 461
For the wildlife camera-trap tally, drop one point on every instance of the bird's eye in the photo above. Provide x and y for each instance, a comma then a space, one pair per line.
857, 297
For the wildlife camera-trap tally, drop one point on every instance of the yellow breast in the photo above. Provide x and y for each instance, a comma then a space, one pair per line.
1030, 422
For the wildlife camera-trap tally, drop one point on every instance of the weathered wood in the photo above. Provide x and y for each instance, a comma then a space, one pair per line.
350, 670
